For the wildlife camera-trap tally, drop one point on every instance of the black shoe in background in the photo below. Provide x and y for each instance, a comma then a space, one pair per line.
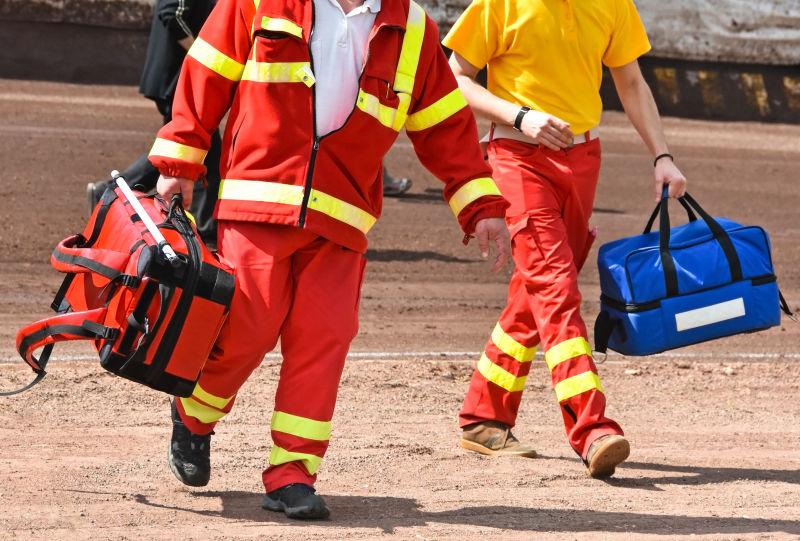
189, 454
394, 186
297, 501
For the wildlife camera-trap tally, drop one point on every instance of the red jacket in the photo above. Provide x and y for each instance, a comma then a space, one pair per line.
253, 57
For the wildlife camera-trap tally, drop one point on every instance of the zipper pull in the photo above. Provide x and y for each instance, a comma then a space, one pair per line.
316, 144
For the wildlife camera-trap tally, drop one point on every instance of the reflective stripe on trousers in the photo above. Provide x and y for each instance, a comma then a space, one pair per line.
549, 246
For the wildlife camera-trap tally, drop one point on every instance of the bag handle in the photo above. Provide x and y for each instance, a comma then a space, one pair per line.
717, 231
71, 255
689, 212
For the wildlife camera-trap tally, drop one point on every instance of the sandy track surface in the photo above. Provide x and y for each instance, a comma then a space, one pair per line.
713, 427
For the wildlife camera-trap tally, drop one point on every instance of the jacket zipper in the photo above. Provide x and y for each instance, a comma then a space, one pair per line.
301, 221
317, 139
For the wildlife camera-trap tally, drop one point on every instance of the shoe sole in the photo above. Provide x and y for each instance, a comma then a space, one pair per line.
478, 448
610, 455
302, 513
178, 473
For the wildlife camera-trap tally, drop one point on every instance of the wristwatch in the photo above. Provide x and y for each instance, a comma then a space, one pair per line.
518, 121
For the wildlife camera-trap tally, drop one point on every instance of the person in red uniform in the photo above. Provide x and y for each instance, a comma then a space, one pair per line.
316, 92
545, 61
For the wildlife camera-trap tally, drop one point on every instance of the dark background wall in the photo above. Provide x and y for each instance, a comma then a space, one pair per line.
104, 42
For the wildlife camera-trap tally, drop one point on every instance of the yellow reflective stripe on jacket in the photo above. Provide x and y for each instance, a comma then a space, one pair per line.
281, 25
216, 401
388, 116
219, 63
576, 385
566, 350
301, 427
472, 190
269, 192
171, 149
287, 194
279, 455
341, 210
278, 72
201, 412
511, 347
410, 50
437, 112
500, 376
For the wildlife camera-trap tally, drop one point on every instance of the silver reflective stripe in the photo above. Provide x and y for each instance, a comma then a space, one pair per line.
715, 313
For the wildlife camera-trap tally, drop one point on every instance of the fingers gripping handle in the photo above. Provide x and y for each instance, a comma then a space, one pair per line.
166, 249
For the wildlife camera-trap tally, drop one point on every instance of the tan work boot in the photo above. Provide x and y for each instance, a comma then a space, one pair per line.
605, 454
493, 439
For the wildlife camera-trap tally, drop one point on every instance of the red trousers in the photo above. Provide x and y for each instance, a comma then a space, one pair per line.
551, 195
304, 289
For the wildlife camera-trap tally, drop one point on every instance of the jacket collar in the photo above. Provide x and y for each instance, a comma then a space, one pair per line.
393, 13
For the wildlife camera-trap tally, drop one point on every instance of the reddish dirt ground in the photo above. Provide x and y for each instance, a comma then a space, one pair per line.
713, 427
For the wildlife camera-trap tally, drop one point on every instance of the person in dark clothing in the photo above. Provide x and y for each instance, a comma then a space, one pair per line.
175, 24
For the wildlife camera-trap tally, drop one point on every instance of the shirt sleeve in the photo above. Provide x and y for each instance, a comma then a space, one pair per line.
628, 39
477, 34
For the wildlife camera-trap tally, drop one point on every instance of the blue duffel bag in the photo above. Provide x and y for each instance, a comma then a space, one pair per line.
707, 279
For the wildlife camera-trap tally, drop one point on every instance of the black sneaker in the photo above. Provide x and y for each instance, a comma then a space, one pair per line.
297, 501
189, 454
94, 191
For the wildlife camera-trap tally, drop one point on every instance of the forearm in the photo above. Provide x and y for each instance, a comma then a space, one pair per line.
486, 104
639, 105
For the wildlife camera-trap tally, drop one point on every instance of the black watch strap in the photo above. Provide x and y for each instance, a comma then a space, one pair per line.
518, 121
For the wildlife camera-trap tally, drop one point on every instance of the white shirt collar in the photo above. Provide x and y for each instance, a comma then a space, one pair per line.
369, 5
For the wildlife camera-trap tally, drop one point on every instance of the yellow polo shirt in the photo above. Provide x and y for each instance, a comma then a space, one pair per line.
549, 54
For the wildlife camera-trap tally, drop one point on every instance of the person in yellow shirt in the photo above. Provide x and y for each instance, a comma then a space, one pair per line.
545, 61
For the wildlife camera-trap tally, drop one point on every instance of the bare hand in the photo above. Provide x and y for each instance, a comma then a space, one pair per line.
667, 172
169, 186
547, 130
186, 42
493, 230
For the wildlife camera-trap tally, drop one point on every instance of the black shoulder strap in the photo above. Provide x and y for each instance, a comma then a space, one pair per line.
40, 374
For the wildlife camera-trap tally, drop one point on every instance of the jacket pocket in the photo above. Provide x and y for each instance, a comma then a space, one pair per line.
237, 128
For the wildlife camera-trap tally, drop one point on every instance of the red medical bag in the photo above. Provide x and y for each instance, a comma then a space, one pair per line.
152, 300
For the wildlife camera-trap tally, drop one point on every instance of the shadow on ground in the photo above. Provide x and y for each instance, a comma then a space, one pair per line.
434, 195
389, 513
694, 476
387, 256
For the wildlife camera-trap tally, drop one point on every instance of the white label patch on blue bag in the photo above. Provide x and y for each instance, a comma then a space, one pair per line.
715, 313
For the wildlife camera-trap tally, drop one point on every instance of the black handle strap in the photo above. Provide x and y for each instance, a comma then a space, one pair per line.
689, 212
667, 263
721, 236
717, 231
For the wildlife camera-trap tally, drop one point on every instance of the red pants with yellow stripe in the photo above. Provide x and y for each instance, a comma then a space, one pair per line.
304, 289
551, 195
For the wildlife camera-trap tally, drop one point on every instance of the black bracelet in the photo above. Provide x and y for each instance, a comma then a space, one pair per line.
665, 155
518, 121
